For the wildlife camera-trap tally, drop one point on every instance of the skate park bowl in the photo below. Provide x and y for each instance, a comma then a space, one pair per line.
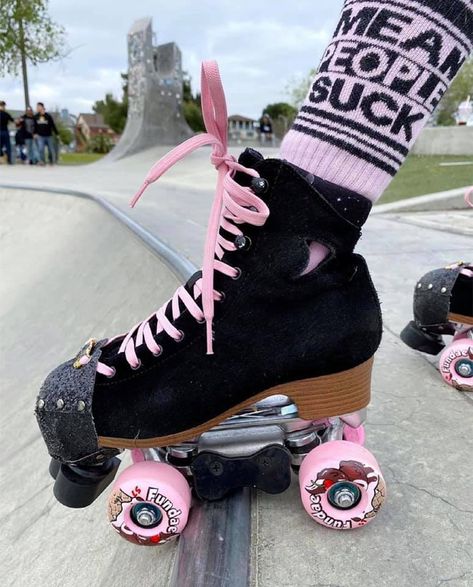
72, 269
69, 271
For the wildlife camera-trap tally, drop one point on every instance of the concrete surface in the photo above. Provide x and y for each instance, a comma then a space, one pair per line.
67, 267
439, 201
445, 140
419, 428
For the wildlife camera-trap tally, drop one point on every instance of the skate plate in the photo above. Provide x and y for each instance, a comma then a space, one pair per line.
256, 448
215, 475
340, 482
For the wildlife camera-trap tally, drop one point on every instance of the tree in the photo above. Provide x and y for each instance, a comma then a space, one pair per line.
114, 111
191, 106
460, 89
298, 88
193, 116
101, 143
282, 115
27, 34
65, 134
280, 109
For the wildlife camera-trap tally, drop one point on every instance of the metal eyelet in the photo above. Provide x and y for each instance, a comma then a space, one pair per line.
259, 185
158, 353
222, 297
242, 242
137, 366
181, 336
238, 274
201, 321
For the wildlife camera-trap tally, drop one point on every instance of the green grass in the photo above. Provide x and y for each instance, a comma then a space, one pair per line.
79, 158
424, 175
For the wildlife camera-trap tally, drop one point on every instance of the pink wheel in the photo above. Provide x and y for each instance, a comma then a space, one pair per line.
149, 503
456, 363
341, 485
356, 435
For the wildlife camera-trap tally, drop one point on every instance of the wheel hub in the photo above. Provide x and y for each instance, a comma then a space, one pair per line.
464, 368
344, 495
146, 515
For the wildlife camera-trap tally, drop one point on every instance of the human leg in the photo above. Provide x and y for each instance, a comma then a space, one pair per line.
5, 145
386, 69
41, 148
51, 150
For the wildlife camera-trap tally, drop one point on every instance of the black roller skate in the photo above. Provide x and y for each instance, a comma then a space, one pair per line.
443, 306
282, 306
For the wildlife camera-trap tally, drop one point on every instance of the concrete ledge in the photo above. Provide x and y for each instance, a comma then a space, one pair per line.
445, 140
449, 200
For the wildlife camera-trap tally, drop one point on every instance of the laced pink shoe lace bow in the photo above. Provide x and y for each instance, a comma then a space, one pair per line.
233, 205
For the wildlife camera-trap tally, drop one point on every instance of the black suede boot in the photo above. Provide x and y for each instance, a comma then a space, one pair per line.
277, 329
282, 306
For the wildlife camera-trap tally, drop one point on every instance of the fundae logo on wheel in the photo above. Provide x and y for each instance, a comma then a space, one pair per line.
355, 475
456, 354
166, 505
121, 522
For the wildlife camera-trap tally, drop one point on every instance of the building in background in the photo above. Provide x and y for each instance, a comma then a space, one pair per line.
88, 127
242, 128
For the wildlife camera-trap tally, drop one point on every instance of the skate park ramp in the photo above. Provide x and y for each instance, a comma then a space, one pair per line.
69, 271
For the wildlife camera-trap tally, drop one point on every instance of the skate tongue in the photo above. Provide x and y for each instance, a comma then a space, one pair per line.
249, 158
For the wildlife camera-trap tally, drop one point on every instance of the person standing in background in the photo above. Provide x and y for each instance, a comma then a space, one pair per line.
266, 130
20, 141
44, 129
28, 124
5, 144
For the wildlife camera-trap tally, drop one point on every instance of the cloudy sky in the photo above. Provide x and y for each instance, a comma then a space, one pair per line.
260, 47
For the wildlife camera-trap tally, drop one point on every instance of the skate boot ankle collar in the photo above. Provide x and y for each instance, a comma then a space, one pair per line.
353, 207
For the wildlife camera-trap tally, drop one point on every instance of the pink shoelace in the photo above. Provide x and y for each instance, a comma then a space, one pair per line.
233, 204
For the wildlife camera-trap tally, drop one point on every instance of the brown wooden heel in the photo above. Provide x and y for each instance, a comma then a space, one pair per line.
331, 395
460, 318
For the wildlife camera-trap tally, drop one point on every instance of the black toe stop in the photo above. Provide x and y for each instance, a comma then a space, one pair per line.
216, 475
421, 340
78, 487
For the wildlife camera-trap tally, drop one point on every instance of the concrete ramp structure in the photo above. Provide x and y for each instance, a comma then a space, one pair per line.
155, 88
